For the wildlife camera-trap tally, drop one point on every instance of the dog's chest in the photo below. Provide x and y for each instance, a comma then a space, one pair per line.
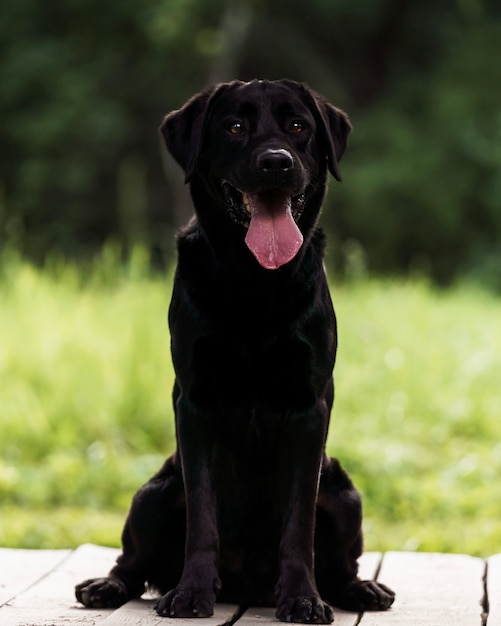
275, 374
247, 339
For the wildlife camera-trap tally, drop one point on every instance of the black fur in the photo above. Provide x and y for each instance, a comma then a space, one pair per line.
249, 508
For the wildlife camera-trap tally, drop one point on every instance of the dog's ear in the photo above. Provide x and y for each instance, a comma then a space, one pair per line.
183, 130
334, 127
338, 127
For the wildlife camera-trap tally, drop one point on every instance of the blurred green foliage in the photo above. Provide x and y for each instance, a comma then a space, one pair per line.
86, 377
85, 84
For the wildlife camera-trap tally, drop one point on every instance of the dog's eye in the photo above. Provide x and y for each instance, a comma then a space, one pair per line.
236, 128
296, 126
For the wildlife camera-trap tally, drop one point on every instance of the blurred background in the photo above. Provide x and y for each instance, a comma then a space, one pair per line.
90, 203
85, 85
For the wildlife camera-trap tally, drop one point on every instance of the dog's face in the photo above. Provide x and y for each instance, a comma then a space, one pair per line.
261, 150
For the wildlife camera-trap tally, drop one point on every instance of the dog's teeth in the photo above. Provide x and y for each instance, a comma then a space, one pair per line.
245, 199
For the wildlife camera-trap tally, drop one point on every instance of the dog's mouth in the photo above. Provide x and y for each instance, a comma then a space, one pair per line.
270, 217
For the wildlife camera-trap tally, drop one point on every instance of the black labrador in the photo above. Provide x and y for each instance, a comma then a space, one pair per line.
249, 509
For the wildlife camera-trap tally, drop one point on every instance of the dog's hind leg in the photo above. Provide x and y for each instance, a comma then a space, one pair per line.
339, 544
152, 544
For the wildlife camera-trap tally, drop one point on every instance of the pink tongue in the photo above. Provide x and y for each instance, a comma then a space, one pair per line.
273, 236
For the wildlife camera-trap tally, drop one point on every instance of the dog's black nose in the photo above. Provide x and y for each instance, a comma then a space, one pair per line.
275, 160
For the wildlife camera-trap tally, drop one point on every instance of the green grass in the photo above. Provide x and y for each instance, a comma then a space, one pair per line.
417, 414
85, 412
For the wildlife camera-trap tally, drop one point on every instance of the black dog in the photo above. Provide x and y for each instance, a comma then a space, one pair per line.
249, 507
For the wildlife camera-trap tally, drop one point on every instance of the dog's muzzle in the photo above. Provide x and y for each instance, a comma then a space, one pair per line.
270, 217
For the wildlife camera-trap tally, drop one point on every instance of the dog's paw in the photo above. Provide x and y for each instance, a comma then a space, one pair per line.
186, 602
366, 595
304, 610
102, 593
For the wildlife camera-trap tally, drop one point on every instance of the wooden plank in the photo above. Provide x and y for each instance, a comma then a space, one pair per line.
258, 615
369, 564
51, 600
19, 569
431, 589
494, 589
142, 613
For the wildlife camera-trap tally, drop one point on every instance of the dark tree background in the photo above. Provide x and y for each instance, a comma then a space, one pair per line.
84, 85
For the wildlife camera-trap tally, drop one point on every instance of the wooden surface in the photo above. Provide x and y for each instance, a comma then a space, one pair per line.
36, 589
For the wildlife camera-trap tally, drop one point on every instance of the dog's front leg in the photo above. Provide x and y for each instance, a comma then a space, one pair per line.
196, 592
298, 599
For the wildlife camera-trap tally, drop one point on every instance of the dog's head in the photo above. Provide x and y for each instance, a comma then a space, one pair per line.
261, 150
